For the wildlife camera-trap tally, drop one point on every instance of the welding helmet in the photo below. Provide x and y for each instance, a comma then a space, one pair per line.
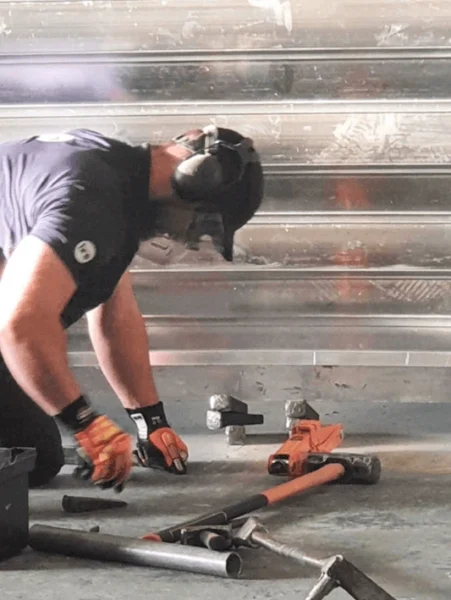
223, 178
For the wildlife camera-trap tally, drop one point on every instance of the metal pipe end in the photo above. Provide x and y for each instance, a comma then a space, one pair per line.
234, 565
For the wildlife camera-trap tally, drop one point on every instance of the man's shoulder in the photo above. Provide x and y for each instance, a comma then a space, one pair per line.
61, 144
90, 139
54, 169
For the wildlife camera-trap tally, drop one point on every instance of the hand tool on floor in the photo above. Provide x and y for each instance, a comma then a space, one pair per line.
344, 468
101, 546
72, 457
213, 537
232, 414
81, 504
307, 435
336, 571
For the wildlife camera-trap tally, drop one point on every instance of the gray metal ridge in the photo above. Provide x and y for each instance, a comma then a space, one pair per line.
307, 169
231, 55
261, 273
210, 108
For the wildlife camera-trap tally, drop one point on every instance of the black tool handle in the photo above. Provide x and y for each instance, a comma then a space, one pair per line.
235, 418
214, 541
221, 517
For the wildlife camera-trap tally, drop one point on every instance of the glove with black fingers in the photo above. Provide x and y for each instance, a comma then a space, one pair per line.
105, 451
158, 446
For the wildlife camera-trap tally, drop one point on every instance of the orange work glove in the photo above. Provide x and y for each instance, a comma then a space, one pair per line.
158, 446
106, 452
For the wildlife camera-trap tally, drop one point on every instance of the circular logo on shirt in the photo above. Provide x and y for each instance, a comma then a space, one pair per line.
85, 251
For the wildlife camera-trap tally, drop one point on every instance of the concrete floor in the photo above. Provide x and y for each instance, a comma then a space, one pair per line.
398, 532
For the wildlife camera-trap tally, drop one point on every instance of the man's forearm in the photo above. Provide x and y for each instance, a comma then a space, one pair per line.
119, 338
36, 355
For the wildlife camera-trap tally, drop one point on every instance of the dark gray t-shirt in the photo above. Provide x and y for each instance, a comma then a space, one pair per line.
86, 196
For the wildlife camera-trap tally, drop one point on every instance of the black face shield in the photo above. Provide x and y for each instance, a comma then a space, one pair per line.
222, 181
206, 224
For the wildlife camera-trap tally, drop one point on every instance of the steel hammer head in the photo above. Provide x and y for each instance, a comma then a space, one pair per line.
243, 536
359, 468
226, 403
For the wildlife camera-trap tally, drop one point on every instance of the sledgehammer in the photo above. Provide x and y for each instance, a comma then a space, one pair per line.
325, 468
336, 571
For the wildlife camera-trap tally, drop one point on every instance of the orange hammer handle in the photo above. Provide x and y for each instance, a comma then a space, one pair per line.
325, 474
298, 485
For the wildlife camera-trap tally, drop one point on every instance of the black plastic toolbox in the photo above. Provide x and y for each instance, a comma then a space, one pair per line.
15, 464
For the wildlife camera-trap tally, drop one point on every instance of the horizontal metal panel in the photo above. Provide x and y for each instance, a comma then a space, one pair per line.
75, 80
233, 342
229, 294
330, 193
282, 358
361, 397
370, 133
348, 244
140, 24
303, 333
337, 241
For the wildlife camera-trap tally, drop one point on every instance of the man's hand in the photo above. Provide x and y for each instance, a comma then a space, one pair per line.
104, 449
163, 450
159, 447
106, 452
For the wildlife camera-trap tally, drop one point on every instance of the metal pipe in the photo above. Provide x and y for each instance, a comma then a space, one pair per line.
116, 548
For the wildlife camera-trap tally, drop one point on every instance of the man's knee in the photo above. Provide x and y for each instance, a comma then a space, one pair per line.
50, 455
45, 438
45, 470
49, 460
24, 424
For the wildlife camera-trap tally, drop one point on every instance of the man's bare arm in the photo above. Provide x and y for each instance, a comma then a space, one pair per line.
34, 289
119, 338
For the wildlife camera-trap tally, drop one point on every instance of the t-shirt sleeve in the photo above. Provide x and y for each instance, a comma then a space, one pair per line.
83, 226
